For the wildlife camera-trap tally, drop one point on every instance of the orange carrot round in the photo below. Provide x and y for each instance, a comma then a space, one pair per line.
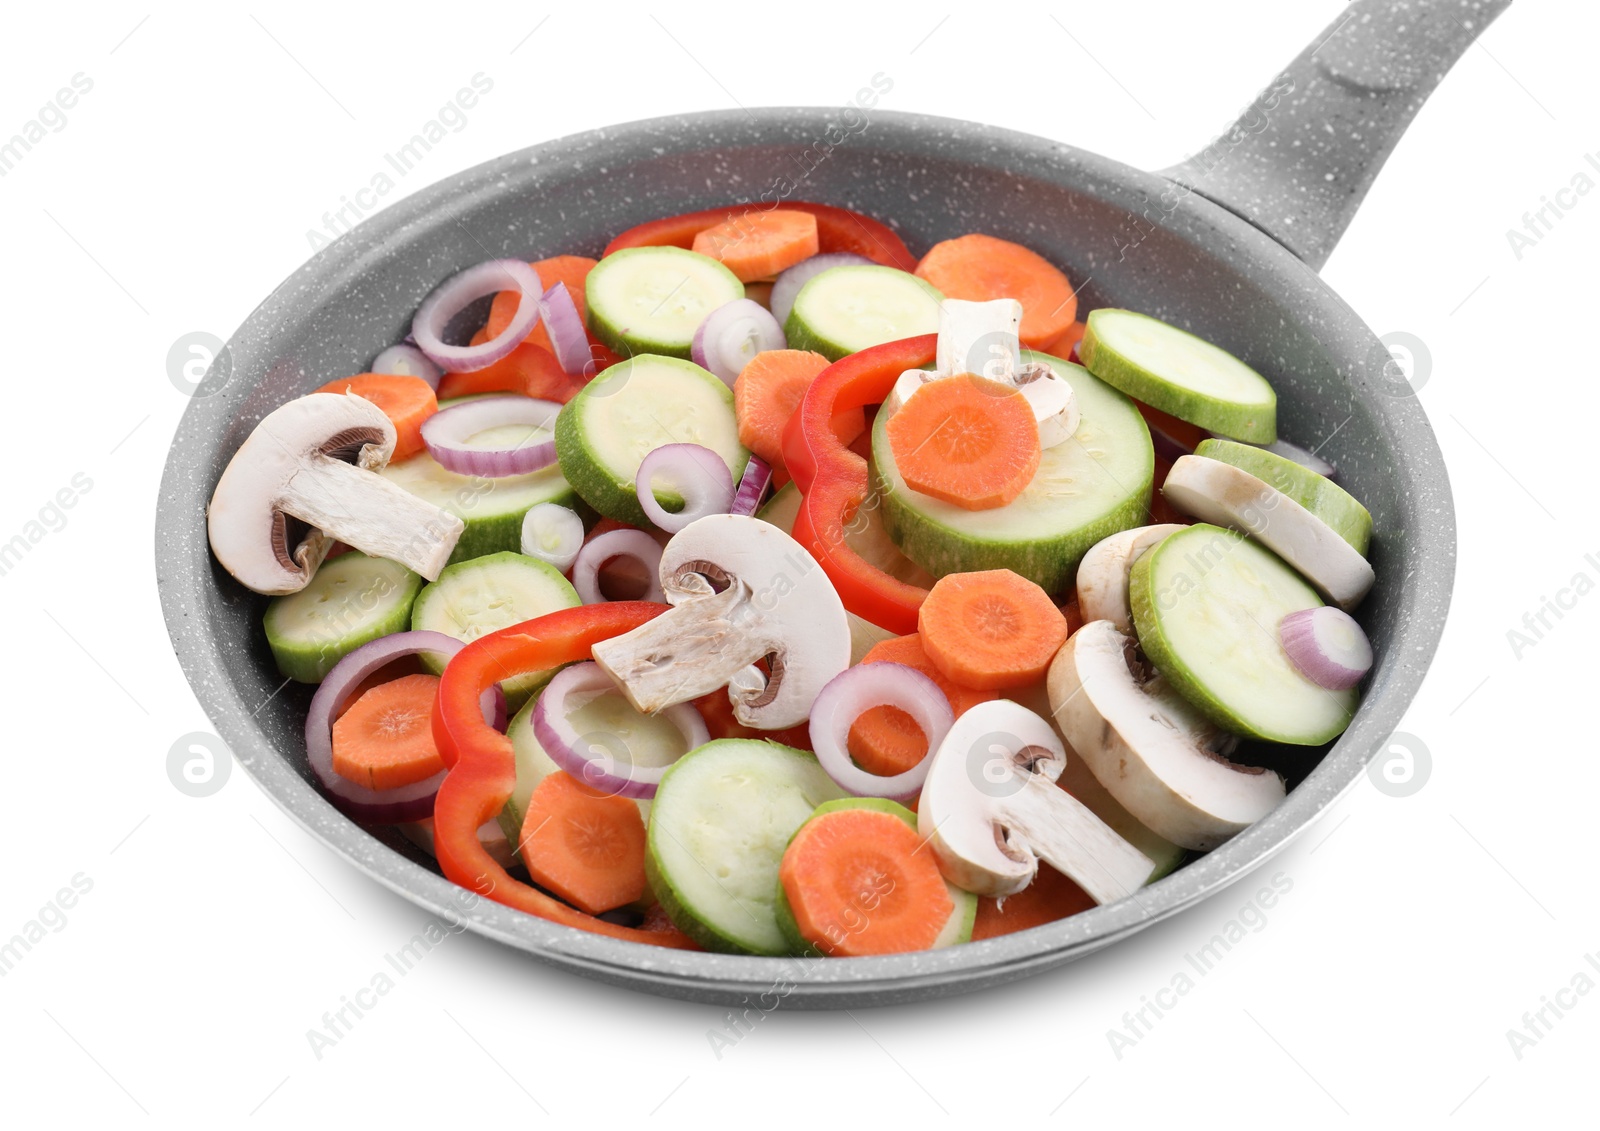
967, 440
768, 391
858, 884
885, 740
406, 401
759, 244
586, 846
385, 740
1050, 897
979, 268
990, 630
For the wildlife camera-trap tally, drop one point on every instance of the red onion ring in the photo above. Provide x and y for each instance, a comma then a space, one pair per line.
697, 473
789, 282
407, 361
732, 334
568, 337
1327, 646
379, 806
600, 767
448, 431
596, 552
753, 486
457, 293
853, 692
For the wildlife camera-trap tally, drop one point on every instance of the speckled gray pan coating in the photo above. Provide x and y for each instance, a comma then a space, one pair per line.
1201, 267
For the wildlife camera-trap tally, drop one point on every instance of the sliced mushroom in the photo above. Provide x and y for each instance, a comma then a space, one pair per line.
1103, 573
1054, 404
1224, 495
1153, 752
742, 591
315, 459
981, 338
991, 810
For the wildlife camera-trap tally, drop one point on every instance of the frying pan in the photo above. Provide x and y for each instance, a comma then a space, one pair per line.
1226, 244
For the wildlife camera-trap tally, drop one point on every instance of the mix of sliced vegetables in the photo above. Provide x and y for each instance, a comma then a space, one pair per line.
760, 587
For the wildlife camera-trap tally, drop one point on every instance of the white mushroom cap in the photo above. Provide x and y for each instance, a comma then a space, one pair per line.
1103, 573
1149, 747
1225, 495
981, 338
743, 591
1054, 404
991, 811
315, 459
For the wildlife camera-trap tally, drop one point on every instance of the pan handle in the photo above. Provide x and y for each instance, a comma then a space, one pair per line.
1301, 158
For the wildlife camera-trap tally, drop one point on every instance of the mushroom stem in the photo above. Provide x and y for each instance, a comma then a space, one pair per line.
362, 509
690, 650
1061, 830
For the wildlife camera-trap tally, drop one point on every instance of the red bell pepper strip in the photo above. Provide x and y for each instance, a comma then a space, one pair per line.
482, 765
838, 229
833, 479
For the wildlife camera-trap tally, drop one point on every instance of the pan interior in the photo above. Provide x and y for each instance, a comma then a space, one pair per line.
1110, 228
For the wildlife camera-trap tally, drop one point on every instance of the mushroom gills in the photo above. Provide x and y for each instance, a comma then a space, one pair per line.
294, 466
1154, 752
742, 592
991, 810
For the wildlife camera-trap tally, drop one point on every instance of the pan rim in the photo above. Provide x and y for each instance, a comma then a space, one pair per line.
184, 577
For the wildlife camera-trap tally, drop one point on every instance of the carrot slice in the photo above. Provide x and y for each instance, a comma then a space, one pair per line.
530, 370
406, 401
757, 245
385, 740
572, 270
1050, 897
858, 884
887, 741
990, 630
768, 391
585, 846
966, 440
979, 268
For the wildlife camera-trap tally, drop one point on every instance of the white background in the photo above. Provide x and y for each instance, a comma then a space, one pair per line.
1418, 929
